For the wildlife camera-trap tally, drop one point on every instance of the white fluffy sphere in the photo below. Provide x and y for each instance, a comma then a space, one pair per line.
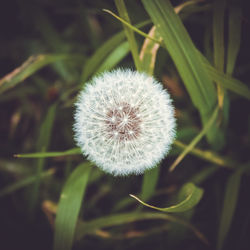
124, 122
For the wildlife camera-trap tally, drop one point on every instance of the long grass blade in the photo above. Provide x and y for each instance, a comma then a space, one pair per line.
42, 144
186, 59
149, 51
219, 54
28, 68
209, 156
218, 33
24, 183
114, 58
229, 205
225, 80
234, 37
90, 227
196, 140
193, 196
69, 207
101, 53
73, 151
129, 33
149, 183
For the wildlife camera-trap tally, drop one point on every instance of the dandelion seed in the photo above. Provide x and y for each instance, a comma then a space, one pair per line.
124, 122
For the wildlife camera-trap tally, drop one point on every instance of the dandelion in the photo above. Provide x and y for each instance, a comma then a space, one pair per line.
124, 122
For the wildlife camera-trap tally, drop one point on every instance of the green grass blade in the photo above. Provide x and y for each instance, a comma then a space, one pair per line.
227, 81
219, 54
23, 183
149, 51
229, 205
207, 155
54, 40
46, 128
69, 207
42, 144
73, 151
186, 59
193, 196
114, 58
196, 140
149, 183
101, 53
203, 175
218, 33
153, 34
181, 49
120, 5
219, 8
224, 80
28, 68
234, 37
90, 227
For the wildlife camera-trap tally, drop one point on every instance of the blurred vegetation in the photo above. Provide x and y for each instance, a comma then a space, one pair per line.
52, 198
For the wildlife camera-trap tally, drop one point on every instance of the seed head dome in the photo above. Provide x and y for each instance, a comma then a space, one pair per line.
124, 122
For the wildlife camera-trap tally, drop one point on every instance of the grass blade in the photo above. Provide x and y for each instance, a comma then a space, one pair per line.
28, 68
114, 58
203, 175
101, 53
219, 63
186, 59
54, 40
218, 33
234, 37
129, 33
227, 81
149, 51
90, 227
207, 155
224, 80
69, 207
149, 183
42, 144
193, 195
194, 142
23, 183
229, 205
73, 151
219, 54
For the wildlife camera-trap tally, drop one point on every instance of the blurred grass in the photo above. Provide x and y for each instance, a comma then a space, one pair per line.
66, 44
28, 68
193, 195
43, 141
69, 207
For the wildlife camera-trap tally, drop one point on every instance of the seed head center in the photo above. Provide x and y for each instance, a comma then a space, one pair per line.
123, 122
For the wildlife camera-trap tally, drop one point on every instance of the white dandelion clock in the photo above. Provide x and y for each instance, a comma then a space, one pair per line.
124, 122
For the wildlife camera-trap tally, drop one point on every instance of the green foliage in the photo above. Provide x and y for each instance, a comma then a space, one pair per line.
72, 151
193, 195
28, 68
69, 207
199, 51
184, 55
229, 204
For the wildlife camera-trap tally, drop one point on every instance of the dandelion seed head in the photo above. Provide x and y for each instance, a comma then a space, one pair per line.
124, 122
